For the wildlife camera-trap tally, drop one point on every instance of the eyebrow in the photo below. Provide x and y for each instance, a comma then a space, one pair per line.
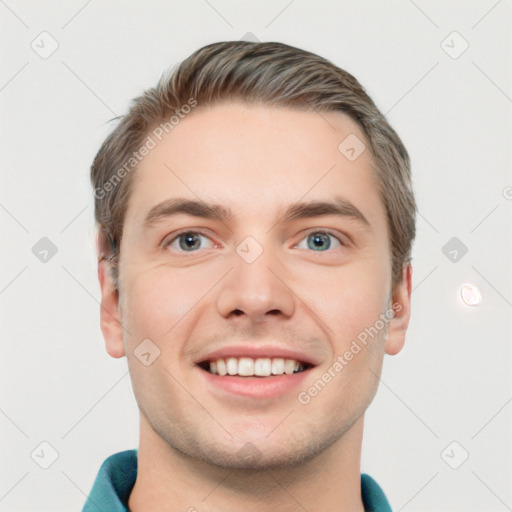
339, 206
178, 206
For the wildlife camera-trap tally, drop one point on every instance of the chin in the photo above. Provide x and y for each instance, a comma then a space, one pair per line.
252, 458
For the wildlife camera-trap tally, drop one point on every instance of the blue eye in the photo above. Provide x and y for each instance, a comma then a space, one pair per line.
188, 241
320, 240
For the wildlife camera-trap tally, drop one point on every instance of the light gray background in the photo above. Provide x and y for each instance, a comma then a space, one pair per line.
452, 382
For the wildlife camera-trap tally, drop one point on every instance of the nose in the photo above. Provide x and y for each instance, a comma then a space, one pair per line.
257, 290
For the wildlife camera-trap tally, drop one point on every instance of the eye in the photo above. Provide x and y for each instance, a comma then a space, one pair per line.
188, 241
320, 240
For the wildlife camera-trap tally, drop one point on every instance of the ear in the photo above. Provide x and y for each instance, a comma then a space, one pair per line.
401, 303
110, 317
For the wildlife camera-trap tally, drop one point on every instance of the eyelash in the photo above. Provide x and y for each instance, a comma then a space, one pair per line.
309, 232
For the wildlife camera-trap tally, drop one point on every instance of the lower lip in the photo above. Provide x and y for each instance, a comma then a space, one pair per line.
256, 387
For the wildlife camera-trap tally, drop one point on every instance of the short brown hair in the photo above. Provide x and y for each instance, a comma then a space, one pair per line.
269, 73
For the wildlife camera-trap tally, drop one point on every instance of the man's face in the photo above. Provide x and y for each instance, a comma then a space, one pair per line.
257, 279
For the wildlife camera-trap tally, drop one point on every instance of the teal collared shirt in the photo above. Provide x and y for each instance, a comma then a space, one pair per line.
117, 475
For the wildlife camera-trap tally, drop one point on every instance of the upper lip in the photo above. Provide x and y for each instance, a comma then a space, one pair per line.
258, 352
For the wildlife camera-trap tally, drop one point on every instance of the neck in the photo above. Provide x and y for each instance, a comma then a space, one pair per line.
331, 481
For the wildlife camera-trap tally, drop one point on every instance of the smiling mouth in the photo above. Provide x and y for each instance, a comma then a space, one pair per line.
250, 367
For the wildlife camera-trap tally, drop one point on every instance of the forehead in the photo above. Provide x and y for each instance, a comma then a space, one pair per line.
255, 159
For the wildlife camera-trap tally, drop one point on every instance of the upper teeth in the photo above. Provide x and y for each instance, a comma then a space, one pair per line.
261, 367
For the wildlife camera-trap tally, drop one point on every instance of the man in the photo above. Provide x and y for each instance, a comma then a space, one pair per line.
256, 220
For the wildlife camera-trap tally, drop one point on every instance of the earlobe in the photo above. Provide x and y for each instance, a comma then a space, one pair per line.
110, 319
401, 303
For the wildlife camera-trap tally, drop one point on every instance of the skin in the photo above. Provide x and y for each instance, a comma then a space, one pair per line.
313, 300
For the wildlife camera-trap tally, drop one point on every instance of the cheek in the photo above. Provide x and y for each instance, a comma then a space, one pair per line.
157, 302
164, 305
347, 299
